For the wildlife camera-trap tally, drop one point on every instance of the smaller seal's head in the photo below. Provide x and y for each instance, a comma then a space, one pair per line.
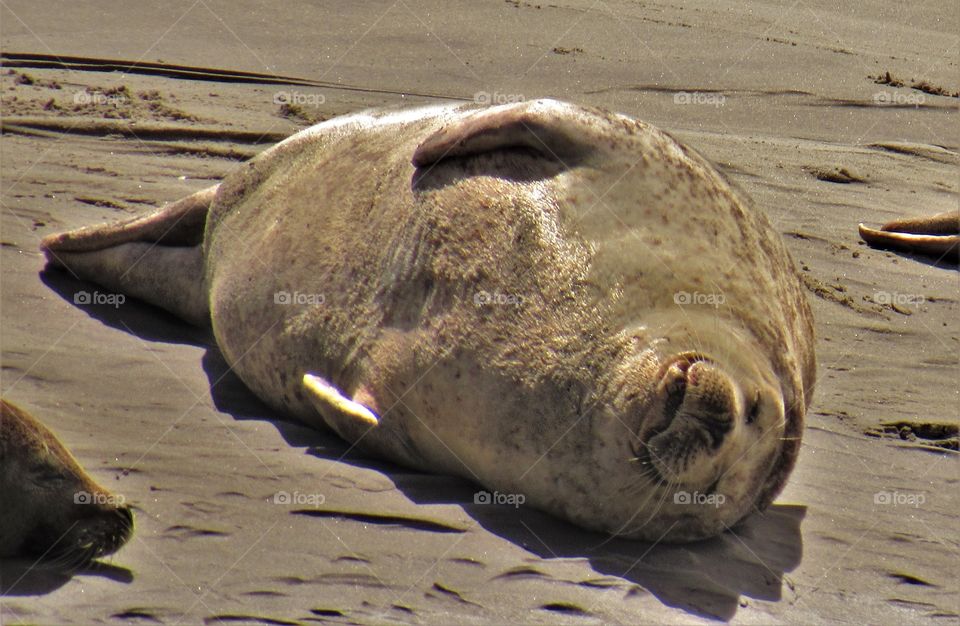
51, 507
710, 439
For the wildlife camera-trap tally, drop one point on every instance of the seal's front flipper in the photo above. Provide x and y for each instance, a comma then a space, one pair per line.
348, 418
556, 130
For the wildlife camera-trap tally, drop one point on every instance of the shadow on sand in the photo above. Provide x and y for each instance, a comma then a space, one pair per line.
29, 577
706, 578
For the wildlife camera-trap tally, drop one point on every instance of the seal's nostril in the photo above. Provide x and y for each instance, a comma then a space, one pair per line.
754, 409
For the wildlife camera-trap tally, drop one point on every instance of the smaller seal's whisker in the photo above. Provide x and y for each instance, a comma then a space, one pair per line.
72, 559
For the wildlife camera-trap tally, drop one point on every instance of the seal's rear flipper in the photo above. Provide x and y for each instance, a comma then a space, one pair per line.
555, 129
348, 418
157, 258
170, 278
179, 223
936, 235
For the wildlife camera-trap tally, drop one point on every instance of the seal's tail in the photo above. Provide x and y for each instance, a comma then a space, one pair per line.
157, 258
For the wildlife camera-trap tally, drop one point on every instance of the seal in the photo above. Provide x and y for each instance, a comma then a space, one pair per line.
931, 235
548, 299
51, 507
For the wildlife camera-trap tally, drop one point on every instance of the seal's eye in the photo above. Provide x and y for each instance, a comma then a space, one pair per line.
45, 474
754, 410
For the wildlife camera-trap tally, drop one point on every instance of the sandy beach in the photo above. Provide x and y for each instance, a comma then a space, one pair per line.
826, 117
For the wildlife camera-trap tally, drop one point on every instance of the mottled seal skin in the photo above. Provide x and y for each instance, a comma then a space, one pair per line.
549, 299
51, 508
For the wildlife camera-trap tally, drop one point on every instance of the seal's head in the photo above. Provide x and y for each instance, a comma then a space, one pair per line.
705, 437
696, 421
51, 507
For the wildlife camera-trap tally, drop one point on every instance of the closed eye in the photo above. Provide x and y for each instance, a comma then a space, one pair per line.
47, 476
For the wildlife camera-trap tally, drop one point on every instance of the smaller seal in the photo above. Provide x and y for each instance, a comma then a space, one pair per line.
934, 235
51, 508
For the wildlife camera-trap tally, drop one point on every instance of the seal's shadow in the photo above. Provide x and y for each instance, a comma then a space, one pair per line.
943, 262
705, 578
23, 577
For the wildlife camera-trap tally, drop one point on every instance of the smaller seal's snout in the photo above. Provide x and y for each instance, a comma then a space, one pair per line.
98, 530
50, 507
121, 530
117, 526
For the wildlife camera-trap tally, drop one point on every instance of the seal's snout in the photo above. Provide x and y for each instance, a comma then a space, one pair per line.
694, 386
115, 529
710, 398
51, 508
694, 412
96, 531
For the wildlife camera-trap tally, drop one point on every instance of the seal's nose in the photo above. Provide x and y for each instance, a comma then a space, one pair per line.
697, 413
116, 531
710, 399
126, 515
697, 387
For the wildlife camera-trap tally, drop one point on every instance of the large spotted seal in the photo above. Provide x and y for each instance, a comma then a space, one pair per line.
552, 300
50, 507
